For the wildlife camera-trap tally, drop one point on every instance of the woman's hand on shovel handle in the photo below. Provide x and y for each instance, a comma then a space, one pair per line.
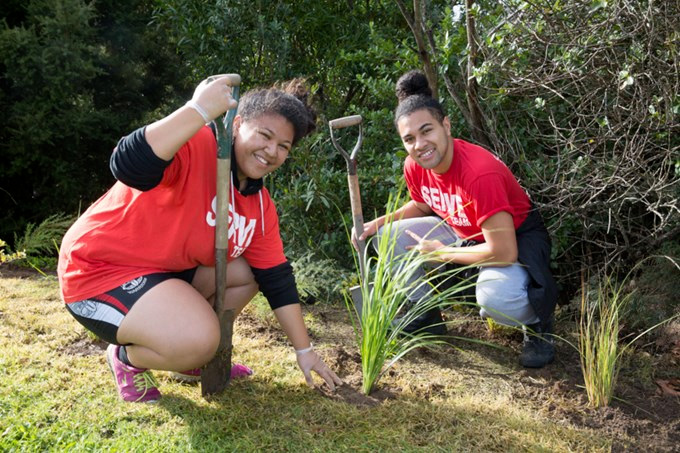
210, 100
310, 361
213, 95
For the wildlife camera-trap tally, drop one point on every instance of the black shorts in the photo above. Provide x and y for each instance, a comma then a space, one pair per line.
103, 314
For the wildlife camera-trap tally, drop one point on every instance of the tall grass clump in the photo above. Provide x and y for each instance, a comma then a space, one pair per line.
599, 345
598, 341
41, 242
381, 336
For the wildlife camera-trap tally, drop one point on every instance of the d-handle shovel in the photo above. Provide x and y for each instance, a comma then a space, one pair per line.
354, 197
216, 373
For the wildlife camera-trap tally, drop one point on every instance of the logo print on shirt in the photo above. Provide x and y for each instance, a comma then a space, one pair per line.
452, 204
134, 285
241, 228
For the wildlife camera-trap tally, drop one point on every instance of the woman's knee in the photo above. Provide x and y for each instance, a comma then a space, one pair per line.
239, 275
197, 343
174, 321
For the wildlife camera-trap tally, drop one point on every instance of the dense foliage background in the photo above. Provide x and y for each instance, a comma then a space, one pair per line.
579, 98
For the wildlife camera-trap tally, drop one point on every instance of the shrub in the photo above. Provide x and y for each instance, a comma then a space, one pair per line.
656, 286
319, 280
584, 103
11, 256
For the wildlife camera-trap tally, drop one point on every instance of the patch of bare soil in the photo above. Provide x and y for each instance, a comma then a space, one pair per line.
643, 410
350, 393
11, 270
347, 363
249, 325
640, 411
85, 346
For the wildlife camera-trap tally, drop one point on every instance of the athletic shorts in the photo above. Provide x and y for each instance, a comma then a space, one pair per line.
103, 314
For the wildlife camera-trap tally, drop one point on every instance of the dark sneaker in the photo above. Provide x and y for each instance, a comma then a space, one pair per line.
538, 349
237, 371
430, 322
134, 384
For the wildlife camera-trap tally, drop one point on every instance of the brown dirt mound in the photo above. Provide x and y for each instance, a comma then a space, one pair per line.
85, 346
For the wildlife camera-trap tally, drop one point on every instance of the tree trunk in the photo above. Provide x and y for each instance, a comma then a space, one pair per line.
417, 26
477, 127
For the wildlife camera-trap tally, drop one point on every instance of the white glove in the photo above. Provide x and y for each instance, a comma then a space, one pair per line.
309, 360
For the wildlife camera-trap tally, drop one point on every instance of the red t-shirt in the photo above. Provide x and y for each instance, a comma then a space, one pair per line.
128, 233
476, 186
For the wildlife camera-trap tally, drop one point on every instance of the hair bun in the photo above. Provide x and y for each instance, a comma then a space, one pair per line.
298, 88
412, 83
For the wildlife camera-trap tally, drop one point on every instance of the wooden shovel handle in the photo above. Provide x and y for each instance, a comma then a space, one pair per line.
216, 373
346, 121
357, 218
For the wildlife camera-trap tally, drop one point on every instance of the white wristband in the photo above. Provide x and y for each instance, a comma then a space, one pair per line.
305, 350
195, 105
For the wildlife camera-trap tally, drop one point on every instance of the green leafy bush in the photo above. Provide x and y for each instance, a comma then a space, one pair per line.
655, 298
319, 280
82, 74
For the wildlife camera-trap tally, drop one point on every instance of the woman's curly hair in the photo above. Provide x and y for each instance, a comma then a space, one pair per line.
288, 99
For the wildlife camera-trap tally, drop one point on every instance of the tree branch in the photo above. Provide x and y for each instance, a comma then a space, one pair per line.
417, 26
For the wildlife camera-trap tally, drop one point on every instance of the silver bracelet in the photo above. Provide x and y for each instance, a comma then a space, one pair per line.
195, 105
305, 350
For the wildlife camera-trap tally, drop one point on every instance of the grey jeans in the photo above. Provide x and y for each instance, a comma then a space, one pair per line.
501, 292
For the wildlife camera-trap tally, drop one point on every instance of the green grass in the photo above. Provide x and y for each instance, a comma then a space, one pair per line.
52, 399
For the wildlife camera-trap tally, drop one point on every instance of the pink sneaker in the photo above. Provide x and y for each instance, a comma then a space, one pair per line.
134, 384
237, 371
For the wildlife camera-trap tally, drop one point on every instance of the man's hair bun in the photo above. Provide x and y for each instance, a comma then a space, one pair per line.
414, 93
412, 83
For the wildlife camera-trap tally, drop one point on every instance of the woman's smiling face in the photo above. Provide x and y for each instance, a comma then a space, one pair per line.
261, 144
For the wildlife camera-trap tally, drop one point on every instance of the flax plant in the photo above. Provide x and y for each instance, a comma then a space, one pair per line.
598, 344
599, 341
382, 339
